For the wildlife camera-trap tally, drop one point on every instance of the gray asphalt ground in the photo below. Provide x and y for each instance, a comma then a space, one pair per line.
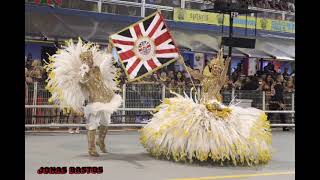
128, 160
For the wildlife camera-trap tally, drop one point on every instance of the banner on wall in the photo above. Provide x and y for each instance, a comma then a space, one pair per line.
252, 66
198, 62
194, 16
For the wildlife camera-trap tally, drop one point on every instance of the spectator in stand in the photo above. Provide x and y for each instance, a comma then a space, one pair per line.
236, 73
180, 82
164, 78
155, 78
239, 83
285, 74
196, 81
170, 77
250, 2
251, 83
147, 78
228, 85
291, 6
186, 77
289, 85
26, 85
29, 61
275, 73
267, 84
283, 5
28, 77
266, 4
36, 74
245, 83
269, 68
37, 71
260, 84
263, 76
172, 84
273, 4
234, 76
122, 78
258, 3
277, 100
277, 4
171, 74
28, 80
278, 72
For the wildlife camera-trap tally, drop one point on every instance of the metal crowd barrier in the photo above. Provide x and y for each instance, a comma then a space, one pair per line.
139, 100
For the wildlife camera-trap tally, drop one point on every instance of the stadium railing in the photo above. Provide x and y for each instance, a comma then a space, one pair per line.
139, 101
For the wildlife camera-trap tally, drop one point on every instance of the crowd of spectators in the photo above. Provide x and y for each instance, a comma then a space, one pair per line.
34, 71
281, 5
264, 80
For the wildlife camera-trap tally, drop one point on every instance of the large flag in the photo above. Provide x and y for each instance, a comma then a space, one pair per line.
145, 46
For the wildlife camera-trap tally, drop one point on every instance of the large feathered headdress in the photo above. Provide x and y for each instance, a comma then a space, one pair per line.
218, 61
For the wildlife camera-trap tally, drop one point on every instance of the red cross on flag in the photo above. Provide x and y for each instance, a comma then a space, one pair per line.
145, 46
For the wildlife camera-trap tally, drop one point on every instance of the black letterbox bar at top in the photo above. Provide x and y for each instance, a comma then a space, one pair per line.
239, 42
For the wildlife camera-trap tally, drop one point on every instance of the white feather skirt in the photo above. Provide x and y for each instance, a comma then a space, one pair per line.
185, 131
110, 107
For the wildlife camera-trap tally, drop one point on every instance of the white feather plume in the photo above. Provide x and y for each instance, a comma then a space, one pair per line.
65, 73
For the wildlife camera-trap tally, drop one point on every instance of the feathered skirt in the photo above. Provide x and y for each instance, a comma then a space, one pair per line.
106, 108
185, 131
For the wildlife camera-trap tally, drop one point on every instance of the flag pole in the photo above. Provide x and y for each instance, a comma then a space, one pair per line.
110, 48
185, 67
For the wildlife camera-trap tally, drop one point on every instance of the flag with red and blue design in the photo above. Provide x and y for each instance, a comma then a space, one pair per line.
145, 46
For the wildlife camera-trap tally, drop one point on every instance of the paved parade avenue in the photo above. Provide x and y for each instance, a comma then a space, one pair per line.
128, 160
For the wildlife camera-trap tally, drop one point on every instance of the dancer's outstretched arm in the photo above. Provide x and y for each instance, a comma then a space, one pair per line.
192, 72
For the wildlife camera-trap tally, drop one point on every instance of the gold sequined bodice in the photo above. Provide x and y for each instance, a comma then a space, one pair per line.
211, 87
92, 82
212, 80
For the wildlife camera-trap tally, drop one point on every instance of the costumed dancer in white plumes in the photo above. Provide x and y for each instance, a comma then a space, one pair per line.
82, 78
185, 130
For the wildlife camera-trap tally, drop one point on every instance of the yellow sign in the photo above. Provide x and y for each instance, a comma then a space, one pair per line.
186, 15
194, 16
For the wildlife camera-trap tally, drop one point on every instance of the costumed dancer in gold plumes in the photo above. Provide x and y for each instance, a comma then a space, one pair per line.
81, 77
207, 130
